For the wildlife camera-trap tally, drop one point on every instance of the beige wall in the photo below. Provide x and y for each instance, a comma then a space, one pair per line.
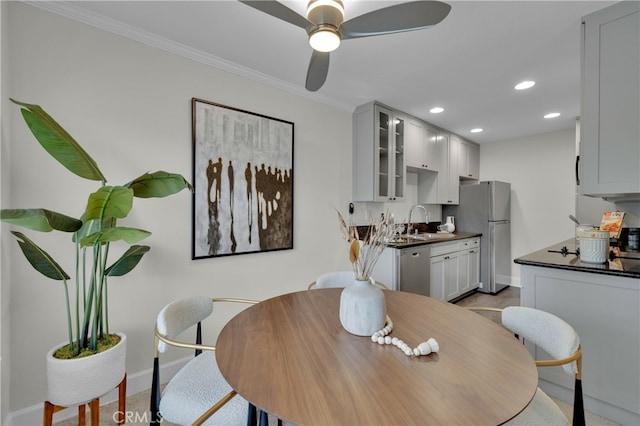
540, 169
129, 105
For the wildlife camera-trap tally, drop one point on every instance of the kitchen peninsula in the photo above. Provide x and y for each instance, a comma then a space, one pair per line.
620, 263
602, 303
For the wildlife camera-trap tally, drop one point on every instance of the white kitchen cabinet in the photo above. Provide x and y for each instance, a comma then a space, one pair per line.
470, 259
379, 172
609, 162
468, 160
442, 187
445, 275
448, 179
455, 268
605, 312
421, 146
386, 269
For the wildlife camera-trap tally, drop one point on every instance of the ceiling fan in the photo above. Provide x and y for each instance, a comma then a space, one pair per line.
326, 27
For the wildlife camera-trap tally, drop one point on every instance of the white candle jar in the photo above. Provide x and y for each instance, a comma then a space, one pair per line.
594, 246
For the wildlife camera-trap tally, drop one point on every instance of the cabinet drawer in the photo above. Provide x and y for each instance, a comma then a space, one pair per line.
443, 248
469, 244
453, 246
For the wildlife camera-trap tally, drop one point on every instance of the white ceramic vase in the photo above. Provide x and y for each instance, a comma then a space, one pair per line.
362, 308
450, 224
80, 380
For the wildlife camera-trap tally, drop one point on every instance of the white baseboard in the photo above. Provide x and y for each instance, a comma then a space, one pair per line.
508, 280
515, 282
136, 382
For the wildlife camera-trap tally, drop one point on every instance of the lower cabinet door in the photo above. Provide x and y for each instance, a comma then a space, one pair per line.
437, 277
445, 276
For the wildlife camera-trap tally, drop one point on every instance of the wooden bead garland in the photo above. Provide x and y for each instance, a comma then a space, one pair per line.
382, 337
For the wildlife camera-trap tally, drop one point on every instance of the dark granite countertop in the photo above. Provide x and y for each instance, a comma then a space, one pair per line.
627, 265
437, 238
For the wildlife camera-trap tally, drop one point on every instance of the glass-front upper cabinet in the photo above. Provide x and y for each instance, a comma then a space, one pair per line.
385, 129
399, 169
379, 161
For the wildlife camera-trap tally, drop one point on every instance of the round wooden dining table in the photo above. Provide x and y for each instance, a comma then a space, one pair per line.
290, 357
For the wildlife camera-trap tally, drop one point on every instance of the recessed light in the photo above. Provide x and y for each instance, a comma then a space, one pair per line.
552, 115
476, 130
436, 110
524, 85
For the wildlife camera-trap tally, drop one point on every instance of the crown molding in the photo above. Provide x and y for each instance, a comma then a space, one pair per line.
69, 10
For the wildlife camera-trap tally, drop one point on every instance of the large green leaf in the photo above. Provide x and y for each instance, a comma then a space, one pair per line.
92, 226
109, 202
158, 184
58, 143
127, 261
130, 235
40, 220
40, 259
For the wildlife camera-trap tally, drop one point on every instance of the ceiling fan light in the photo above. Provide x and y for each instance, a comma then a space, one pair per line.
334, 13
324, 40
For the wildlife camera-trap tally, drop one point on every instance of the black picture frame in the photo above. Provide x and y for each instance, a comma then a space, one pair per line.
243, 181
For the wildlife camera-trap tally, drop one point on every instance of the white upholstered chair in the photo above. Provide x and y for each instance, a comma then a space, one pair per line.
197, 394
339, 279
558, 339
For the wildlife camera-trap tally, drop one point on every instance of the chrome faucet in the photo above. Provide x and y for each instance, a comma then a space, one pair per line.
426, 216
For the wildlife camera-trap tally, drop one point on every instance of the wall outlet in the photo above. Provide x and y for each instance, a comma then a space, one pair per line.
480, 286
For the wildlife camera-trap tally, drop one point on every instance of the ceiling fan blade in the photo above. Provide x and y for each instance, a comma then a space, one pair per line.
280, 11
318, 70
409, 16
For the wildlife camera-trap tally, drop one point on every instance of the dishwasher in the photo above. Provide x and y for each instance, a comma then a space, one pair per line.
414, 272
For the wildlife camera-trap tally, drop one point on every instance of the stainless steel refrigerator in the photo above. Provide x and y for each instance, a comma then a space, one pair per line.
486, 207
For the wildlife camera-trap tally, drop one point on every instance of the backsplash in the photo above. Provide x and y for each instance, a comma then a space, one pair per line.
431, 227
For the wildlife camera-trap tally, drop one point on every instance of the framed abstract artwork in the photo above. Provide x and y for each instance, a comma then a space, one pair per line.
243, 181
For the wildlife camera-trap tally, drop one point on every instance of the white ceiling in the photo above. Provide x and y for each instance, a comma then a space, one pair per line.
467, 64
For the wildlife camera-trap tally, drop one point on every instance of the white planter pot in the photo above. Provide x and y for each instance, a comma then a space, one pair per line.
362, 308
77, 381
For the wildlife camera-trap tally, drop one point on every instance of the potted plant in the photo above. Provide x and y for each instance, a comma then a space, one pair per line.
91, 239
